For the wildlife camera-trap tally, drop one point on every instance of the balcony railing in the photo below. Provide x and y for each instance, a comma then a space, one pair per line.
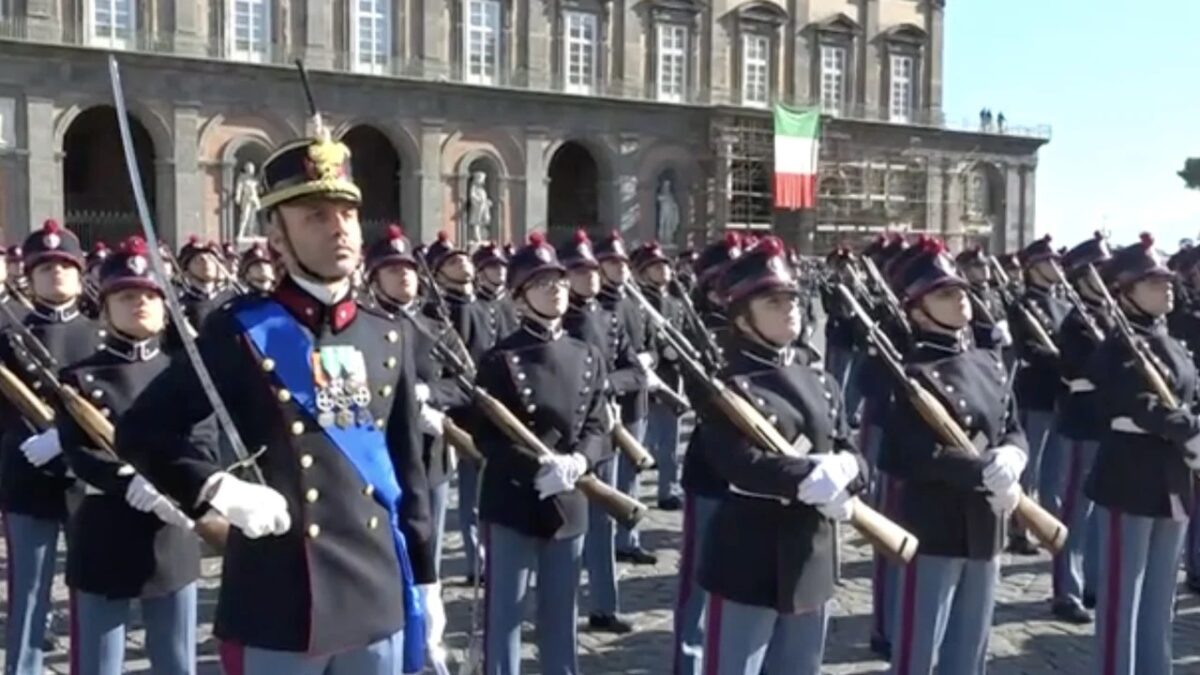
524, 79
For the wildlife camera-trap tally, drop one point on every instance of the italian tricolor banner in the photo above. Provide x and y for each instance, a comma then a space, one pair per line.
796, 145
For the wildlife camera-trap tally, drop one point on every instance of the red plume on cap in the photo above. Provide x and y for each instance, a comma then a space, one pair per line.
394, 231
616, 234
537, 239
933, 245
771, 246
1146, 239
134, 245
1046, 239
581, 236
443, 236
732, 240
194, 239
99, 247
50, 226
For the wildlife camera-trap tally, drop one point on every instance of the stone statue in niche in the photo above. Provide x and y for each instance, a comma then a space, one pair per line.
668, 212
245, 198
479, 206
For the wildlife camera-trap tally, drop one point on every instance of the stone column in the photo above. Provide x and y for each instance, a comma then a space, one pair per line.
954, 195
180, 185
799, 53
634, 50
430, 178
934, 25
935, 197
1028, 198
435, 35
191, 28
43, 23
870, 60
539, 45
1013, 217
537, 182
318, 34
44, 177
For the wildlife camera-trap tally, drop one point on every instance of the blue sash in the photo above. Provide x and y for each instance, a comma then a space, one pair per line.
277, 335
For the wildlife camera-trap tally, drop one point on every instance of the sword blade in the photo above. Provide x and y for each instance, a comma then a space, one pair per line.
173, 306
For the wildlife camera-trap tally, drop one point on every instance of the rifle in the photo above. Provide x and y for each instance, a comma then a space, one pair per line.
1030, 321
1142, 355
1089, 321
885, 535
1047, 529
712, 352
889, 297
212, 528
626, 510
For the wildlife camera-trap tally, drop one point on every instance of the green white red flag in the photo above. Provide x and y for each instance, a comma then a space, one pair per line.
797, 134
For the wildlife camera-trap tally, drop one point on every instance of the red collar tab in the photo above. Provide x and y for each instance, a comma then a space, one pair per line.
312, 312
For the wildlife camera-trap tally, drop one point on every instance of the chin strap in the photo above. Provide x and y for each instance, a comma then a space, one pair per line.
304, 269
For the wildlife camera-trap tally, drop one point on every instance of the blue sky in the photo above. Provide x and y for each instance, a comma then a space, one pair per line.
1119, 82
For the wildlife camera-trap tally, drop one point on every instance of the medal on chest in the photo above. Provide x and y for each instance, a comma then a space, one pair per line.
342, 390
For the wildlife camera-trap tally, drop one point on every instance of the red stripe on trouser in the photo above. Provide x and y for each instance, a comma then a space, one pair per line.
73, 633
1112, 613
1062, 561
879, 578
685, 571
233, 657
909, 610
712, 636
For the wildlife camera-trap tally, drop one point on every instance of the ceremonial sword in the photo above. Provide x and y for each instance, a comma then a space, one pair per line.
244, 459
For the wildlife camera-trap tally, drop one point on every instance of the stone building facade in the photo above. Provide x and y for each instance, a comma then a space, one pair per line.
577, 113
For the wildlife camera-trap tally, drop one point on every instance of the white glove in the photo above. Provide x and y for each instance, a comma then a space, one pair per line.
1005, 501
42, 448
256, 510
1005, 467
171, 514
435, 623
1001, 333
646, 359
654, 382
831, 474
840, 509
559, 473
421, 391
431, 421
141, 495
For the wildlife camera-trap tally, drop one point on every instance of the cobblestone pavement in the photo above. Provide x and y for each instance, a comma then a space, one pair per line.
1024, 640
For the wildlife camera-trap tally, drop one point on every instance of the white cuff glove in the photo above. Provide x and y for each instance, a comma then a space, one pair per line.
144, 497
431, 421
646, 359
840, 509
42, 448
1004, 469
559, 473
256, 510
421, 392
1001, 333
1005, 501
830, 475
435, 624
654, 382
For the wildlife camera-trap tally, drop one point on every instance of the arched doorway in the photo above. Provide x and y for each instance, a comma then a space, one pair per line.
573, 199
97, 195
376, 167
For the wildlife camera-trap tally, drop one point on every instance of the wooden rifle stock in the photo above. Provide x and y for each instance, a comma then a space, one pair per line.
462, 441
31, 407
1050, 532
888, 537
624, 509
634, 451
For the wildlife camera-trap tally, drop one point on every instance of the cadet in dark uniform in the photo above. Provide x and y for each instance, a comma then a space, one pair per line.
685, 263
1077, 431
1039, 379
33, 480
1184, 324
126, 541
654, 276
15, 305
204, 286
841, 336
588, 321
394, 280
989, 322
1142, 480
767, 561
257, 269
614, 274
329, 564
703, 488
478, 330
491, 265
957, 503
14, 264
535, 518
